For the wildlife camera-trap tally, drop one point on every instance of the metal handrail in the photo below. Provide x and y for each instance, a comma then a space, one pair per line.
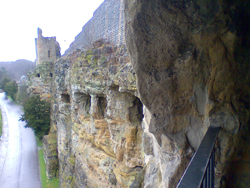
200, 170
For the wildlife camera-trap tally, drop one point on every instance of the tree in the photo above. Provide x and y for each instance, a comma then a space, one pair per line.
37, 115
18, 68
11, 89
22, 95
4, 81
3, 73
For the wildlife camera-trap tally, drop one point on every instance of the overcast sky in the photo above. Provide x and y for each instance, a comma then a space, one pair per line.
19, 20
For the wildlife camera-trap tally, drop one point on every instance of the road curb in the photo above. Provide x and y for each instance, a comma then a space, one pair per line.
39, 169
5, 139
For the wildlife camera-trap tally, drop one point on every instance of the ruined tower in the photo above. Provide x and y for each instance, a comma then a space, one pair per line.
47, 48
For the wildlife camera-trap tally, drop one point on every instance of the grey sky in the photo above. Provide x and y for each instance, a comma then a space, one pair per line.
19, 20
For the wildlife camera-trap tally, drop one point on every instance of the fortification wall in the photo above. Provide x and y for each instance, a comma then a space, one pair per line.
47, 49
107, 23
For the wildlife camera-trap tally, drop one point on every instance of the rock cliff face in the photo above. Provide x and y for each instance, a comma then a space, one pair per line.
192, 65
41, 80
98, 118
134, 119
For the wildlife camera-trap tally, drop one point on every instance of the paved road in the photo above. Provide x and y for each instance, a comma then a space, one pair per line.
18, 152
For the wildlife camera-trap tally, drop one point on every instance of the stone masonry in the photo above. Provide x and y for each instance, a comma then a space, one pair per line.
107, 23
47, 49
47, 52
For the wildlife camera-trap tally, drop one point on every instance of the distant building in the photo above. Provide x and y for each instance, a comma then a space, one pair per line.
23, 77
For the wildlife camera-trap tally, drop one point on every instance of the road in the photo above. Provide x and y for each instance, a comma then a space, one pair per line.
19, 166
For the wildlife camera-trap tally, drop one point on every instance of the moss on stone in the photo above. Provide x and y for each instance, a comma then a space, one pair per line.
50, 155
72, 160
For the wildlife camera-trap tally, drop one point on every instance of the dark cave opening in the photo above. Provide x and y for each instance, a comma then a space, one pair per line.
136, 111
101, 105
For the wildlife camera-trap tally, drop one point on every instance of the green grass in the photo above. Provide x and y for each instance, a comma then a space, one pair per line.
39, 142
10, 98
1, 123
46, 183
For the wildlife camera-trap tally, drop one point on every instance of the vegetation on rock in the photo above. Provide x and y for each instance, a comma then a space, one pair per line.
9, 86
11, 89
46, 183
50, 155
3, 76
37, 115
22, 95
3, 81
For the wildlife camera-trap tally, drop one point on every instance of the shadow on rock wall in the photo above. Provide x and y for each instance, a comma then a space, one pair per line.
191, 59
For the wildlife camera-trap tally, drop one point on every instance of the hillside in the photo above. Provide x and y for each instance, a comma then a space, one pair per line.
18, 68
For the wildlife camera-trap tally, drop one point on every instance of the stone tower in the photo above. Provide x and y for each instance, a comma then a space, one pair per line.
47, 48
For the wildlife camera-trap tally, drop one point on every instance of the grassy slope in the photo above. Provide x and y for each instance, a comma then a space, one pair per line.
53, 183
10, 98
1, 123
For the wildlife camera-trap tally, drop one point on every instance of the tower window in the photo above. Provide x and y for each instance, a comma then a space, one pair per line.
49, 54
65, 98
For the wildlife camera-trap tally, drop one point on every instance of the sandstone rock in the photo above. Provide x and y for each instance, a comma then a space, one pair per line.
167, 144
50, 155
147, 144
129, 177
225, 119
201, 100
153, 175
99, 118
195, 137
189, 67
40, 80
188, 60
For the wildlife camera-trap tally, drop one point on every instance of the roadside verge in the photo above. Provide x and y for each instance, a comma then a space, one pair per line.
5, 138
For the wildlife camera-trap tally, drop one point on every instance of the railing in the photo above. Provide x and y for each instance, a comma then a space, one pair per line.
200, 171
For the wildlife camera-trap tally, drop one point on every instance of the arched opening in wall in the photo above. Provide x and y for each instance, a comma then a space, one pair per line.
84, 101
49, 54
65, 98
136, 111
51, 75
38, 75
101, 107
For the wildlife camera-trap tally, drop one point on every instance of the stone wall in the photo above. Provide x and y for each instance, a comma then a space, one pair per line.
107, 23
47, 49
41, 80
50, 155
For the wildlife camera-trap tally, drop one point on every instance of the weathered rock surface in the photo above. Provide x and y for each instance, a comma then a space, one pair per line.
41, 80
98, 118
191, 62
188, 65
50, 155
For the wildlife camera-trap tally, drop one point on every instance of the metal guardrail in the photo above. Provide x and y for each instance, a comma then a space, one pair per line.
200, 171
